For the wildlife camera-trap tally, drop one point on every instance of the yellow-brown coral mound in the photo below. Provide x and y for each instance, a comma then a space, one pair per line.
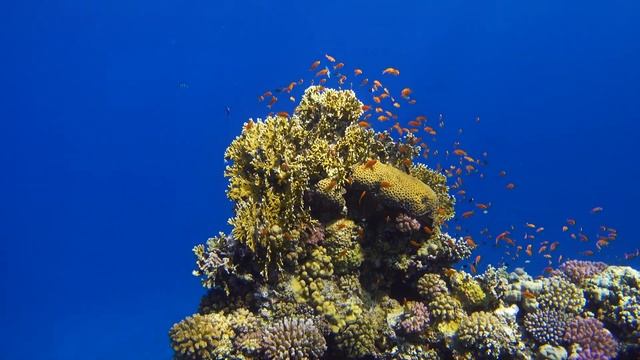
396, 188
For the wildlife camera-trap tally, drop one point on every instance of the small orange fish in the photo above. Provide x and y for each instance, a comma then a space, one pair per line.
396, 105
364, 82
291, 86
364, 124
391, 71
528, 294
529, 225
597, 209
330, 58
248, 125
510, 186
470, 241
377, 83
571, 221
482, 206
379, 109
427, 229
272, 101
314, 65
366, 107
565, 228
412, 101
361, 197
283, 114
414, 243
502, 173
542, 249
332, 184
357, 72
477, 260
342, 79
421, 118
587, 253
540, 229
460, 152
376, 99
467, 214
382, 118
602, 243
370, 163
583, 237
554, 245
322, 72
405, 92
473, 269
449, 272
384, 96
338, 66
385, 184
529, 250
414, 123
407, 162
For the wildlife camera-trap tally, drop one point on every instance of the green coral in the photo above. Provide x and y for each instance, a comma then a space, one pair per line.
358, 339
396, 188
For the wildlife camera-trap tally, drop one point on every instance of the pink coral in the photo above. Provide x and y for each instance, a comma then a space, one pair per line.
416, 318
595, 341
577, 270
407, 224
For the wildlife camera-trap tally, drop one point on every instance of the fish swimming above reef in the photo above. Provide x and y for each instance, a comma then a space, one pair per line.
342, 247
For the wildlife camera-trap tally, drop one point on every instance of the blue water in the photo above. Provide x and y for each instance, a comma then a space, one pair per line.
113, 129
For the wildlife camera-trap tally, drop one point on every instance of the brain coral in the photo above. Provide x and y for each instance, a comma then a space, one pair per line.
430, 285
395, 188
293, 339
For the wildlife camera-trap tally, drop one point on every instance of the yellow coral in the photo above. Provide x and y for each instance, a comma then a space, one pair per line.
396, 188
467, 288
205, 337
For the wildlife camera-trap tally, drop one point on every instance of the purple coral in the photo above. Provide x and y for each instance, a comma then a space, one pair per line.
416, 318
407, 224
595, 341
578, 270
316, 235
546, 326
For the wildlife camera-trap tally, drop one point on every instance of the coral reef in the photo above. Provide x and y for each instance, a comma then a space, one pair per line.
338, 250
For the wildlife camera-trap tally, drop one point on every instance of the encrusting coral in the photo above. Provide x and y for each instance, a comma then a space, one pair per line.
338, 250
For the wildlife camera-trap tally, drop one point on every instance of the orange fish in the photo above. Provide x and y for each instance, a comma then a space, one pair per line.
571, 221
542, 249
314, 65
554, 245
322, 72
273, 101
332, 184
602, 242
357, 72
391, 71
583, 237
396, 105
421, 118
470, 242
330, 58
414, 243
291, 86
540, 229
412, 101
364, 124
528, 294
369, 164
338, 66
283, 114
473, 269
385, 184
377, 83
405, 92
483, 206
510, 186
587, 253
364, 82
501, 236
529, 225
467, 214
361, 197
597, 209
382, 118
460, 152
565, 228
502, 173
529, 250
342, 79
366, 107
427, 230
376, 99
477, 260
248, 125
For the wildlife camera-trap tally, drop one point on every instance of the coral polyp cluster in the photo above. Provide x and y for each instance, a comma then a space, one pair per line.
339, 250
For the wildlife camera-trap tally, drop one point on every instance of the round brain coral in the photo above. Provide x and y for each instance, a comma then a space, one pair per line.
293, 339
431, 285
395, 188
546, 326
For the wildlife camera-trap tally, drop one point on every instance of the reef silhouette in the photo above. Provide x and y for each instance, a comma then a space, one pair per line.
337, 252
